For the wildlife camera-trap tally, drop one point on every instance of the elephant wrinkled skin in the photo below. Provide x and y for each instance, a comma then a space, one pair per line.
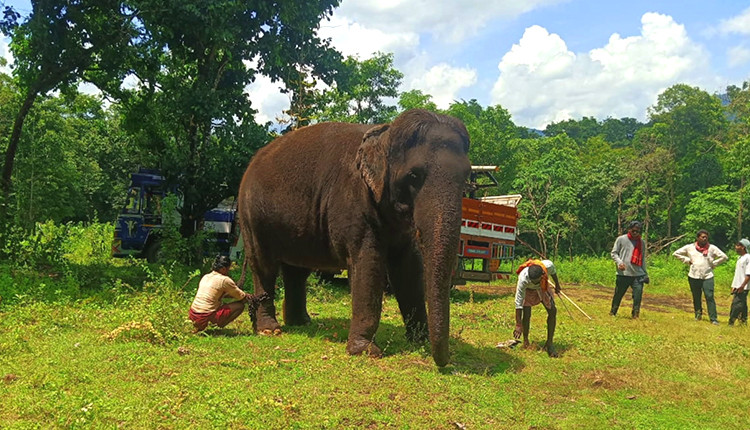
382, 201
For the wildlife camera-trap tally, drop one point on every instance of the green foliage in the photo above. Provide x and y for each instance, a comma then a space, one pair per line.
174, 246
416, 99
73, 164
713, 209
199, 126
548, 180
491, 131
360, 92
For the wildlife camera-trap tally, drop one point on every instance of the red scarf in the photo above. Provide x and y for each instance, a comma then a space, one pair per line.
703, 251
543, 283
637, 258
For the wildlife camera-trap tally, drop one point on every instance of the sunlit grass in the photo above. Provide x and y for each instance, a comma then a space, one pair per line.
61, 367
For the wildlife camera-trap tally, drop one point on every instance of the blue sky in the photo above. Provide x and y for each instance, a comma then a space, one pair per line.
543, 60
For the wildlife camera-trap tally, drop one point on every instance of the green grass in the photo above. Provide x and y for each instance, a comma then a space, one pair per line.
71, 357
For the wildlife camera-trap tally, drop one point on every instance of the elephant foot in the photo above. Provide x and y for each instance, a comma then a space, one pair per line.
269, 332
363, 346
297, 320
266, 326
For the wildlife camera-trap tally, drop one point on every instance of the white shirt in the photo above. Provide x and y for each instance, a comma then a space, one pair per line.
741, 269
525, 283
701, 266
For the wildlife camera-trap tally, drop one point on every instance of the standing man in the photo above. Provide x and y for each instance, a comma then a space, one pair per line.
532, 288
213, 287
740, 283
702, 258
629, 255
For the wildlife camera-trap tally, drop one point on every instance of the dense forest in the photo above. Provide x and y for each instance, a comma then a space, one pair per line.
172, 96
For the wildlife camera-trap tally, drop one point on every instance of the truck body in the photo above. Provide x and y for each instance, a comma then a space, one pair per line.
139, 224
487, 243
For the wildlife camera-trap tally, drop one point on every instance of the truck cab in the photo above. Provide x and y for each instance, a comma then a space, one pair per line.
139, 224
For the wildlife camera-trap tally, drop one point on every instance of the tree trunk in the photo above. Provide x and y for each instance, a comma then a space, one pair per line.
15, 137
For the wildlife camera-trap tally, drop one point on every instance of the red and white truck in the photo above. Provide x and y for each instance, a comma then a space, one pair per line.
488, 232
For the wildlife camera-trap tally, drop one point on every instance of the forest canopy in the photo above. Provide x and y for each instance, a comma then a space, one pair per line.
173, 96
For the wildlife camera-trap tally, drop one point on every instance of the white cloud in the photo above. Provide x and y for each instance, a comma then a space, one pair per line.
353, 39
443, 82
739, 24
738, 56
267, 99
447, 20
5, 53
541, 81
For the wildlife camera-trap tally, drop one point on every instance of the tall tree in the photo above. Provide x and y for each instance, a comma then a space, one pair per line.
549, 182
491, 130
362, 92
196, 59
692, 125
54, 47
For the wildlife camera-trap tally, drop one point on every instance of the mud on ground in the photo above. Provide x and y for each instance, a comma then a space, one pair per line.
591, 292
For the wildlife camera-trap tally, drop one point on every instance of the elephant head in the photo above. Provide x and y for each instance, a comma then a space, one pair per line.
416, 169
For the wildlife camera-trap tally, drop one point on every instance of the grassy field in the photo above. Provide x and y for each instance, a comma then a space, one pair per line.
118, 356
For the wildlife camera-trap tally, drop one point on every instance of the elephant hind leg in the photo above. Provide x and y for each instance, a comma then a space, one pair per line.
295, 295
264, 281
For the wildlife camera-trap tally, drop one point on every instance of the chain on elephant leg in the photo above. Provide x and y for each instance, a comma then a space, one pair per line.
259, 304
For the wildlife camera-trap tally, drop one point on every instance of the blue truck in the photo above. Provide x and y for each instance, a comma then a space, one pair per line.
139, 224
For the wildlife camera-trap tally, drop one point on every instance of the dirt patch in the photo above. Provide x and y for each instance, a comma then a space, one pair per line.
591, 292
604, 379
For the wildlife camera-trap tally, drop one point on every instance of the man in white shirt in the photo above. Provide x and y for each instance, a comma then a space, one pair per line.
208, 304
702, 257
740, 283
532, 288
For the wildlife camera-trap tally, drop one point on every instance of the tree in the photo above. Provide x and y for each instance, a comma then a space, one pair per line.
54, 47
416, 99
691, 126
491, 130
74, 163
548, 180
194, 62
738, 144
713, 209
360, 92
578, 130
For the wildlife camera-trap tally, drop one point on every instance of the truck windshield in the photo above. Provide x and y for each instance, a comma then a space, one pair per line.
132, 205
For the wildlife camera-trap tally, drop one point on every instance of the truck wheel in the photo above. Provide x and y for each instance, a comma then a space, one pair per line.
153, 252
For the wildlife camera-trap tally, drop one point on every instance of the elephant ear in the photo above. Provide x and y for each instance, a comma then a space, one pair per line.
372, 160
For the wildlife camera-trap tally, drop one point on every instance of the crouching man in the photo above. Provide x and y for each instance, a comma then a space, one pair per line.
207, 306
533, 288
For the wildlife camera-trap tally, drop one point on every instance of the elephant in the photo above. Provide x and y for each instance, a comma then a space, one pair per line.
382, 201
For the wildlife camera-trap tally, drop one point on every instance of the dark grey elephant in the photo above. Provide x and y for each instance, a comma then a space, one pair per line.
382, 201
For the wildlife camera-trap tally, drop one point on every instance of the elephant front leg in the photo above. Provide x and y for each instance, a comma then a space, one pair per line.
367, 280
406, 277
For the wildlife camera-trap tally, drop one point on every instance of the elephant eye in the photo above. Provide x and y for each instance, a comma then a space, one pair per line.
415, 178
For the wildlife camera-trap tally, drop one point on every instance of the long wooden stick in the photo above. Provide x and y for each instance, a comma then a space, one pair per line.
574, 304
567, 309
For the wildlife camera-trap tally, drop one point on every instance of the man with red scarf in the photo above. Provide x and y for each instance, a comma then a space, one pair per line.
629, 254
702, 257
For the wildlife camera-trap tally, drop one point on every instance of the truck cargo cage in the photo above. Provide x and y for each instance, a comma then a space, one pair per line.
488, 231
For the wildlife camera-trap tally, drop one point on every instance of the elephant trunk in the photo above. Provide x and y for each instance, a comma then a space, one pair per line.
439, 227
